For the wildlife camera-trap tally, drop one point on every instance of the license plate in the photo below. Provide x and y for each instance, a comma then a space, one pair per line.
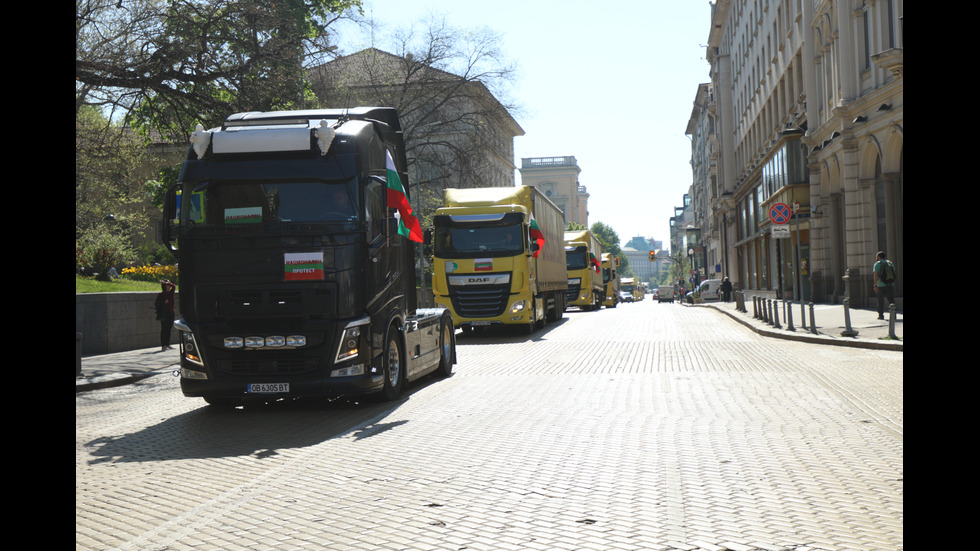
479, 322
267, 388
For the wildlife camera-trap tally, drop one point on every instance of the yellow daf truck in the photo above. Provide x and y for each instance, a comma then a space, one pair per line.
610, 281
499, 257
585, 287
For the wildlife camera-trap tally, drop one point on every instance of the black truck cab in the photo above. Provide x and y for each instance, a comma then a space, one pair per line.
294, 280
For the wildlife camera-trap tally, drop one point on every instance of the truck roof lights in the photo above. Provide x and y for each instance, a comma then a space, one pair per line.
258, 136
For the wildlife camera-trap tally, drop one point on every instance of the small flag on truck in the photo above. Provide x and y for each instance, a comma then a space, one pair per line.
537, 235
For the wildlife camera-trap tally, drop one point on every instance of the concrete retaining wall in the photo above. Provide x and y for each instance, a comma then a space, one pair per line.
116, 322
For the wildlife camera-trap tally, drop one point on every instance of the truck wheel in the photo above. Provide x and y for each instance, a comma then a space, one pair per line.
393, 368
445, 350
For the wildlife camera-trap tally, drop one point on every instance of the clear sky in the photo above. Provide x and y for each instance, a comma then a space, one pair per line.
612, 84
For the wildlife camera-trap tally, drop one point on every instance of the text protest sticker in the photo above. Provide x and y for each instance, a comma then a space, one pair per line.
304, 266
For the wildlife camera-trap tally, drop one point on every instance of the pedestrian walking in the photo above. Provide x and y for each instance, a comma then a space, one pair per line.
164, 306
884, 282
726, 290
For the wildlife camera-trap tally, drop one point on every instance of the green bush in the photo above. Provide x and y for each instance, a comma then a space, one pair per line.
99, 249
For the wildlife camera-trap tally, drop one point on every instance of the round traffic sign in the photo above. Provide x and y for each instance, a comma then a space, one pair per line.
780, 213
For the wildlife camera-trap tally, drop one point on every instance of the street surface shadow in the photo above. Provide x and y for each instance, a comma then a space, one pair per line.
501, 334
259, 430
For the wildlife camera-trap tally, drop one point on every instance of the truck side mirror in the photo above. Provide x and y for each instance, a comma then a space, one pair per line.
171, 214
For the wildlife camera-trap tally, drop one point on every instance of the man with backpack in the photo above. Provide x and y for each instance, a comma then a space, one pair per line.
884, 272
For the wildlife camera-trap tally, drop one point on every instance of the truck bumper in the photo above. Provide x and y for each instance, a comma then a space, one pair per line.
264, 389
523, 317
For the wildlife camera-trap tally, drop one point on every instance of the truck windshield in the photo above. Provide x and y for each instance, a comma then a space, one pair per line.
575, 258
262, 202
468, 240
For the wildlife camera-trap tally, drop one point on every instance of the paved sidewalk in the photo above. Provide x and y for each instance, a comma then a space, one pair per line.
122, 368
867, 330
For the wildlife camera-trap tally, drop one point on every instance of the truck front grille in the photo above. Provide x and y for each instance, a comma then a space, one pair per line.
267, 366
479, 301
572, 293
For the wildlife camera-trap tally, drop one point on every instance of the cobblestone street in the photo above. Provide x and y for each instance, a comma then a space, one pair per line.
645, 427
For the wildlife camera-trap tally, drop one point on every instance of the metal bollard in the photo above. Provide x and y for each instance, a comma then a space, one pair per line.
813, 321
789, 315
802, 315
755, 307
775, 314
848, 331
78, 354
891, 321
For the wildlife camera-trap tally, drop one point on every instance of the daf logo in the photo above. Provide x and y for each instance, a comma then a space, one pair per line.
496, 279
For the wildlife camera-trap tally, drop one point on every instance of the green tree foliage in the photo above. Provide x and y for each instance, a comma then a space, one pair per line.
610, 244
169, 65
110, 199
680, 268
573, 226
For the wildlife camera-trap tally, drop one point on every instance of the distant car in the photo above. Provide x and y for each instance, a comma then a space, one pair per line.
625, 296
709, 290
665, 293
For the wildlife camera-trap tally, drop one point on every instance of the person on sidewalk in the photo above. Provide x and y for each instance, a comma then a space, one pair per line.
884, 276
726, 290
164, 305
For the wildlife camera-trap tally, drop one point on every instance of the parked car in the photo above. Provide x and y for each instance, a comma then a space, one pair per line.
665, 293
709, 290
625, 296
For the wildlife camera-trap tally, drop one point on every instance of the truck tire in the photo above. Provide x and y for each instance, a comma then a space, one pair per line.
393, 366
445, 350
554, 314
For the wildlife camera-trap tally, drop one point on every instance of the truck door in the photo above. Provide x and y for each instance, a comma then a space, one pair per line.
379, 261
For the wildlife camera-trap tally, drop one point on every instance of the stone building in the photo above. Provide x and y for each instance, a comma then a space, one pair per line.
457, 134
637, 251
806, 110
557, 179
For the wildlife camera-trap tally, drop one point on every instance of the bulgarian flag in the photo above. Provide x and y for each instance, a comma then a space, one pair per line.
594, 262
408, 225
536, 235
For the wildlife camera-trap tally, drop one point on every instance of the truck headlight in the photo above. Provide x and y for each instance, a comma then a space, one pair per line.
517, 307
189, 346
350, 340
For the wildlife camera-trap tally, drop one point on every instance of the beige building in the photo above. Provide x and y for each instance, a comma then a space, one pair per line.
457, 134
557, 179
806, 108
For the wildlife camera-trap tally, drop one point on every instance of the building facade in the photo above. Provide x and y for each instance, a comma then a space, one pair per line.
637, 251
806, 109
457, 134
557, 179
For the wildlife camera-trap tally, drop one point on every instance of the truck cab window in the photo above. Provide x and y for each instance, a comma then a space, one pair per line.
229, 203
